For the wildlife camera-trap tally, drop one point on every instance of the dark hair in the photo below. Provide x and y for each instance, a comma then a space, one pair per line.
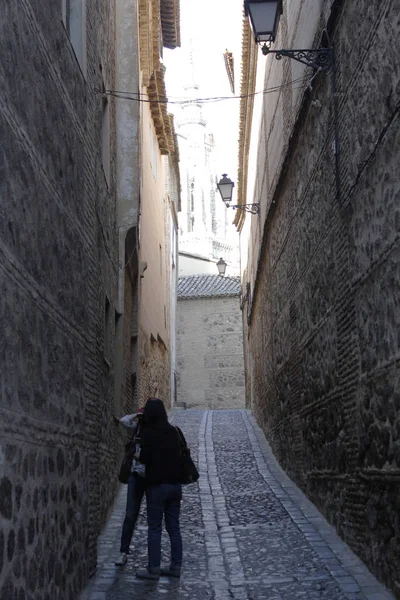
154, 412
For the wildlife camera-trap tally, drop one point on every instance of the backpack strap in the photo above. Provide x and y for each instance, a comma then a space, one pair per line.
182, 441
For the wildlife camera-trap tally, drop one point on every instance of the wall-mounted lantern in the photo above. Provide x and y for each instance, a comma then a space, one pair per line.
264, 17
221, 265
225, 187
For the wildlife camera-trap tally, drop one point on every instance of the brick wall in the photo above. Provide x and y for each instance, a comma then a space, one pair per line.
210, 353
59, 446
326, 314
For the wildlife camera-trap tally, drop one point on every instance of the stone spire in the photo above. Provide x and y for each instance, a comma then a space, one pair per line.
191, 113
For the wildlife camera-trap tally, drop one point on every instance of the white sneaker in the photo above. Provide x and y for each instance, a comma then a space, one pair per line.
121, 560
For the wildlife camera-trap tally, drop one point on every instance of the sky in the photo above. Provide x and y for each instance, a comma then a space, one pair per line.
213, 26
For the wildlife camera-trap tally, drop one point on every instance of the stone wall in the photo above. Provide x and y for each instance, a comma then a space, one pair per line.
325, 316
154, 369
210, 353
59, 446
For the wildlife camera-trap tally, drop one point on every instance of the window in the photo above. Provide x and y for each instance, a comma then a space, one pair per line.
249, 302
191, 204
105, 136
74, 19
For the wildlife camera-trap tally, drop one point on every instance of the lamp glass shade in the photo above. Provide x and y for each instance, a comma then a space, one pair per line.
264, 18
221, 265
225, 186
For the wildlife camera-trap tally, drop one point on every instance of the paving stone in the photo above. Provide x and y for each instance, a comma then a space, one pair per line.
248, 532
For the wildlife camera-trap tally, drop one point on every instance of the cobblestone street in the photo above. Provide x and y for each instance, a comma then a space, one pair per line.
248, 532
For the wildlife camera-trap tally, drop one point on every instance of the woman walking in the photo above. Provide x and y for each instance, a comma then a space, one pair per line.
160, 452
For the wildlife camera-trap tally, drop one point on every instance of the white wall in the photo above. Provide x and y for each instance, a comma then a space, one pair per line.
210, 353
189, 265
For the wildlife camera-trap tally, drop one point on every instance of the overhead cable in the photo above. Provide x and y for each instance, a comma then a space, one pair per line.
139, 97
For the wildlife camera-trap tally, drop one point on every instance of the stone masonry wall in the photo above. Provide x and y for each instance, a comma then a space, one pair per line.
153, 369
326, 312
59, 446
210, 353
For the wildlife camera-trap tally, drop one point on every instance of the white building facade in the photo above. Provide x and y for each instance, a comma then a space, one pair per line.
205, 230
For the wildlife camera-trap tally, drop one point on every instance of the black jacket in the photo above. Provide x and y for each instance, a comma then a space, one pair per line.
160, 452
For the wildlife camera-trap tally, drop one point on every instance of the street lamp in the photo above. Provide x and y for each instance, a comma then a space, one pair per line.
221, 264
264, 20
225, 187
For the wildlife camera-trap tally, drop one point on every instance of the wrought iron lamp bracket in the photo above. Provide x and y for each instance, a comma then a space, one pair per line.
254, 209
320, 58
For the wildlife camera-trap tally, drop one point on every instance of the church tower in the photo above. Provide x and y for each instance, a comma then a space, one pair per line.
203, 220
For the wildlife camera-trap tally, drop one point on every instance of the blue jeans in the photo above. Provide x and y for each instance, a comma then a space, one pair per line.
164, 500
136, 488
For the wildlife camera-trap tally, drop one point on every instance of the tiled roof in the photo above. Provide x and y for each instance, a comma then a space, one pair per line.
204, 286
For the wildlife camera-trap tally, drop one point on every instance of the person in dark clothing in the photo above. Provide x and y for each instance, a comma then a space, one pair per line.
160, 452
136, 487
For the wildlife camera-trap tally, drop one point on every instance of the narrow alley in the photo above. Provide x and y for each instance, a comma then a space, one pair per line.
249, 533
200, 205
